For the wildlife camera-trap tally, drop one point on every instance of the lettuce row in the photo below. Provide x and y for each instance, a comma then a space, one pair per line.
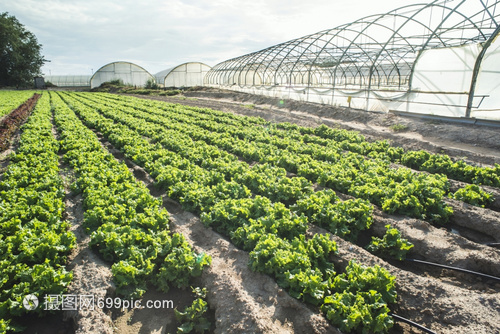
34, 238
11, 99
458, 170
474, 195
419, 160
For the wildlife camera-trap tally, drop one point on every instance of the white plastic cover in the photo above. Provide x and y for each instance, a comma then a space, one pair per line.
184, 75
129, 73
68, 80
442, 80
486, 102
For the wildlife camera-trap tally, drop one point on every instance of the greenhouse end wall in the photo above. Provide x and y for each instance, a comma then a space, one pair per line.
187, 75
184, 75
128, 73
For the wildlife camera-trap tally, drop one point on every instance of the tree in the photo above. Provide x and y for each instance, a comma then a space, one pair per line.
20, 53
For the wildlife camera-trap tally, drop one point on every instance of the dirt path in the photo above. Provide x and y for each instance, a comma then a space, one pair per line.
91, 275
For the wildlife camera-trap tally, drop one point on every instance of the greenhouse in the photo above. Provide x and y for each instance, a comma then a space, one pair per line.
128, 73
68, 80
185, 75
441, 58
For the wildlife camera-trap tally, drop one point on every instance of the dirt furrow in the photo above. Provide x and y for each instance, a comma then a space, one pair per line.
437, 245
440, 306
92, 277
475, 218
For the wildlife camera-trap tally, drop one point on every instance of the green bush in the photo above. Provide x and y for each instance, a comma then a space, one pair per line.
151, 84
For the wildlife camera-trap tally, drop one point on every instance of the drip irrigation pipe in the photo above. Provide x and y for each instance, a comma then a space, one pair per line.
493, 244
409, 322
455, 268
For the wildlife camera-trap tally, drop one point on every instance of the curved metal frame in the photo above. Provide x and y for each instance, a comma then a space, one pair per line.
375, 52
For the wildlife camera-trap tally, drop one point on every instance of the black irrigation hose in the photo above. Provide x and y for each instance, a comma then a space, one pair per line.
455, 268
492, 244
409, 322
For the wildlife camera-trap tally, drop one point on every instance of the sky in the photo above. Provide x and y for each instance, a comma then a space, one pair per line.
80, 36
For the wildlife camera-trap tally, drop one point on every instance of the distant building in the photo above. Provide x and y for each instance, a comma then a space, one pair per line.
39, 83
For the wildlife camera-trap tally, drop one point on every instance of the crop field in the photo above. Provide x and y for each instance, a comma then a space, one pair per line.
10, 100
246, 225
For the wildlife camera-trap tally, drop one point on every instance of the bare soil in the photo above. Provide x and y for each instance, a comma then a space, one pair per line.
243, 301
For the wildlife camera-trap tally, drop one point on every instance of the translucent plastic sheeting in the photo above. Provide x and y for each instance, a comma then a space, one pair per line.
486, 103
441, 81
128, 73
68, 80
185, 75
